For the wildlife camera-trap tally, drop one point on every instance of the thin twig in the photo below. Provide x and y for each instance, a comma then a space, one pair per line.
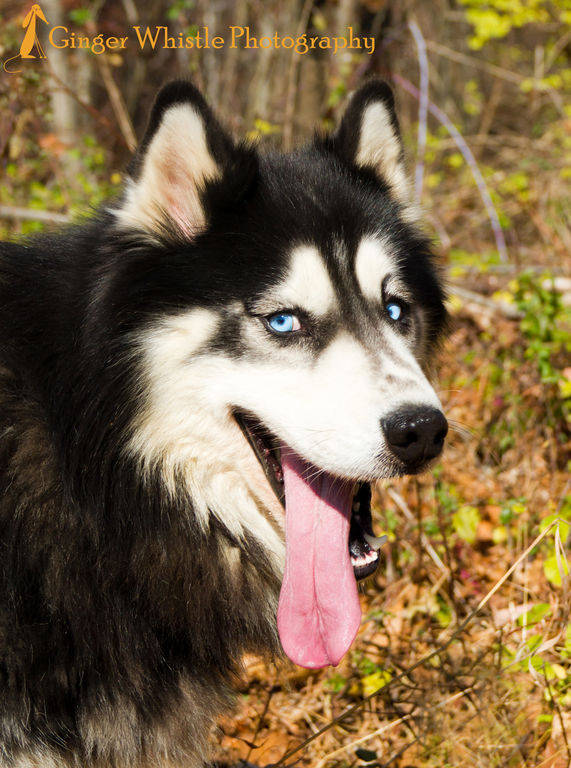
489, 110
404, 508
498, 307
506, 74
117, 103
389, 726
395, 755
443, 118
560, 717
463, 58
558, 48
115, 97
260, 721
88, 107
448, 555
131, 11
292, 77
31, 214
422, 108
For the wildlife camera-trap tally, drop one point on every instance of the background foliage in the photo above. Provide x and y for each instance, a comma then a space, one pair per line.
497, 692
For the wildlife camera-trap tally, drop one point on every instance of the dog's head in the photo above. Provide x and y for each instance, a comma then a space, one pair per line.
290, 307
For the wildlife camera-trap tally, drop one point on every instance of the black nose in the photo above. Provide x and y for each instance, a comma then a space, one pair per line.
415, 433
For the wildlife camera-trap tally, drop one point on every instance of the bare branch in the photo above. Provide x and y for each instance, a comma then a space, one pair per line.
30, 214
117, 103
491, 305
292, 77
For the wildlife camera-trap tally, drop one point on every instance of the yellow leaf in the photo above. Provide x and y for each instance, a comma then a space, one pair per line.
372, 683
553, 572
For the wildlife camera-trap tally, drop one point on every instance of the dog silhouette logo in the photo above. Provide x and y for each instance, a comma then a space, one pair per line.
31, 37
31, 42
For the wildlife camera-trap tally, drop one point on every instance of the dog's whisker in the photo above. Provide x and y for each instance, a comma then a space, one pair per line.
463, 430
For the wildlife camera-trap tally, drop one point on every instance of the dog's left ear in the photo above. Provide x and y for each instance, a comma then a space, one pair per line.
369, 137
184, 153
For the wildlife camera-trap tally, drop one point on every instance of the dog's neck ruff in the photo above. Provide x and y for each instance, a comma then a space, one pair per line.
236, 498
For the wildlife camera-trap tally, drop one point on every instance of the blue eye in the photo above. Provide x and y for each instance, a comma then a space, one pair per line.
394, 310
284, 322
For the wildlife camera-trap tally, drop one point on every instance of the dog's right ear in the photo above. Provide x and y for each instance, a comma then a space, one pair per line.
369, 137
184, 152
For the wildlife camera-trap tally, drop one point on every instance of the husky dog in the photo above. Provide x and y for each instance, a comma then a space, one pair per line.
197, 386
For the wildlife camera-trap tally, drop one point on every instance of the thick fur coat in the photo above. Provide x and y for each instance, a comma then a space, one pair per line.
141, 550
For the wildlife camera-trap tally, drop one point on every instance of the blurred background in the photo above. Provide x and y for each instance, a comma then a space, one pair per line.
483, 92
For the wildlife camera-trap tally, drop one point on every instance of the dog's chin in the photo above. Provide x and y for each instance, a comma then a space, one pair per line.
364, 546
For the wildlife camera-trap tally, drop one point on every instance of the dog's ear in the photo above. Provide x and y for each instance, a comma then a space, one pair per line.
369, 137
184, 153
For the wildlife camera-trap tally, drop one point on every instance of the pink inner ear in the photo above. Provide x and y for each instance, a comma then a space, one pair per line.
175, 169
184, 226
180, 216
181, 196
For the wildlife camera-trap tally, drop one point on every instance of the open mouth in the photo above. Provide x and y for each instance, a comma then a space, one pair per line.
363, 545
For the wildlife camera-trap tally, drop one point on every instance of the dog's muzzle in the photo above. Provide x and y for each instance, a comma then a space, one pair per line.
415, 434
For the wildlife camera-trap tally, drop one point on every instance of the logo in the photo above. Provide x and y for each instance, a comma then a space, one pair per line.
31, 42
160, 37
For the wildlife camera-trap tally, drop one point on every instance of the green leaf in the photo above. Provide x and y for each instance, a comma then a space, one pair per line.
534, 615
533, 643
336, 682
552, 571
80, 15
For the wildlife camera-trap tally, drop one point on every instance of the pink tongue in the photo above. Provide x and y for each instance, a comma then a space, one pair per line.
319, 612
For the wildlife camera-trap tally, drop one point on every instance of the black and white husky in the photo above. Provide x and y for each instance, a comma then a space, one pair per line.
196, 388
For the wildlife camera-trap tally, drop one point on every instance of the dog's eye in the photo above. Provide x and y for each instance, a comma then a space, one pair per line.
283, 322
395, 310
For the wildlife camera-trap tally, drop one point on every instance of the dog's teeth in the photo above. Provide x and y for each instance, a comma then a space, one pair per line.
375, 542
359, 560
